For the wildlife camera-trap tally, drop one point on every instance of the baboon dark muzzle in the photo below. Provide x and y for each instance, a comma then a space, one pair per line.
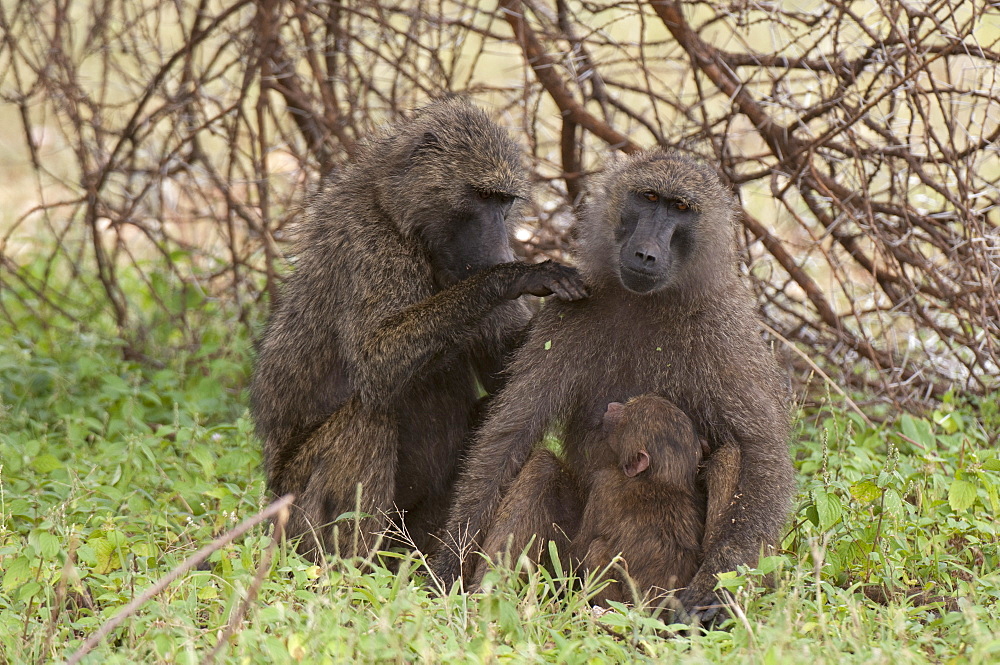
638, 281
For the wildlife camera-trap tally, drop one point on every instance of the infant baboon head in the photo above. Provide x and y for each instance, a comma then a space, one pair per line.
652, 438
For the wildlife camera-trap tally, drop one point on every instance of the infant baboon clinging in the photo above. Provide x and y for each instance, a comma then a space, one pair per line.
645, 502
403, 299
668, 314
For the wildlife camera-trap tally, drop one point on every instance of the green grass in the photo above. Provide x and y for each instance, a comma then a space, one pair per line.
114, 472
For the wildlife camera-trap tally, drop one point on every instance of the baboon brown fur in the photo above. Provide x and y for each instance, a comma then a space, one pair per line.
668, 314
645, 502
660, 508
403, 301
542, 506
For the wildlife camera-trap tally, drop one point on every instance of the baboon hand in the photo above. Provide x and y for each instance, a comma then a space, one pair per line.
548, 278
702, 607
445, 565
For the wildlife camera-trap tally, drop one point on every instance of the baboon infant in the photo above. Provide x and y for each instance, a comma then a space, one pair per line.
645, 502
543, 506
403, 304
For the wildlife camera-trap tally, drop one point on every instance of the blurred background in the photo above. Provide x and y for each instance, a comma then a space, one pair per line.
155, 154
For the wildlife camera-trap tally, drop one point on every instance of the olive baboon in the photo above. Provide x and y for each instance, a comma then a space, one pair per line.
402, 301
667, 314
645, 502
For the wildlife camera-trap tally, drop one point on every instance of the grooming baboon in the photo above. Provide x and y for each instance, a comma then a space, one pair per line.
402, 301
668, 314
645, 502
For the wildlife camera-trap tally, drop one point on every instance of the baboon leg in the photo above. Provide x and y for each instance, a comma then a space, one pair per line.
324, 461
721, 476
542, 503
423, 522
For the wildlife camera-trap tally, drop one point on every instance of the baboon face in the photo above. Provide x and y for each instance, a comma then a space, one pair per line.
460, 189
652, 438
657, 236
475, 237
657, 221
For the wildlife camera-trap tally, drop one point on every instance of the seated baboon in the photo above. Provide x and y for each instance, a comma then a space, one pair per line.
645, 503
402, 304
668, 314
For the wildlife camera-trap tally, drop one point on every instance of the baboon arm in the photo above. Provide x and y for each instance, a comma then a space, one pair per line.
517, 420
722, 475
395, 335
502, 334
760, 500
397, 339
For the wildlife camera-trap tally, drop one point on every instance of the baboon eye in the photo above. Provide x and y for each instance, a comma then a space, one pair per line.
483, 194
680, 205
651, 196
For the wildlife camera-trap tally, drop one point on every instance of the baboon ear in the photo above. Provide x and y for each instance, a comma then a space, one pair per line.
428, 143
637, 464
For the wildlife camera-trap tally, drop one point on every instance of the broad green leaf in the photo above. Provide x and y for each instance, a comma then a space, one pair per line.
205, 458
28, 590
117, 538
893, 503
18, 572
769, 564
828, 508
164, 645
298, 647
730, 580
917, 429
865, 491
961, 495
46, 543
115, 385
208, 592
105, 556
46, 463
811, 514
951, 422
509, 618
21, 508
991, 492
